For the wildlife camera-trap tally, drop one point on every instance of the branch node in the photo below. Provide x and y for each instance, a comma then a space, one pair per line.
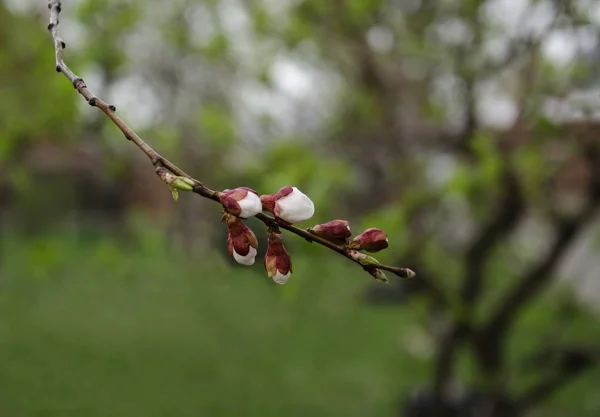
78, 82
92, 101
58, 68
111, 107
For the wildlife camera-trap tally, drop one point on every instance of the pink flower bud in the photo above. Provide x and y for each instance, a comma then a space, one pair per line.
242, 201
241, 241
371, 240
278, 262
336, 231
289, 204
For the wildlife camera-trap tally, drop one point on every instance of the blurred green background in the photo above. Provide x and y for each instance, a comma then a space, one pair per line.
467, 130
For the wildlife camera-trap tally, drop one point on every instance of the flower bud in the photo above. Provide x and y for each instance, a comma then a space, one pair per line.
363, 259
242, 201
241, 241
371, 240
289, 204
379, 275
336, 231
278, 262
176, 182
404, 272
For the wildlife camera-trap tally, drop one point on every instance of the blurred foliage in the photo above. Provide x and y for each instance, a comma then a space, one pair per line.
100, 327
29, 114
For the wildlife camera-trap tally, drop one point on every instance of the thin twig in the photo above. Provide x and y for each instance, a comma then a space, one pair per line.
160, 162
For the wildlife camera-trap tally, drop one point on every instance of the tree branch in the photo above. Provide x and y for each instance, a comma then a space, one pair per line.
533, 281
449, 344
160, 162
540, 274
569, 362
504, 222
476, 256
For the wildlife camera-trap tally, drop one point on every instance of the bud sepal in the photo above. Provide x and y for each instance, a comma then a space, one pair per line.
241, 240
278, 262
175, 182
363, 259
242, 201
378, 275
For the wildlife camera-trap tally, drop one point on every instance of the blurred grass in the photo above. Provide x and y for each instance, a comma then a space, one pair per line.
97, 327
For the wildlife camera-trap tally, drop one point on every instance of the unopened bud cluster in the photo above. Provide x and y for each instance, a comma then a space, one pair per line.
371, 240
289, 205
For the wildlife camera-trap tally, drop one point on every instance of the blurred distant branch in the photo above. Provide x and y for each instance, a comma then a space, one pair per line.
533, 281
565, 363
501, 225
489, 339
470, 124
162, 163
488, 342
567, 230
520, 47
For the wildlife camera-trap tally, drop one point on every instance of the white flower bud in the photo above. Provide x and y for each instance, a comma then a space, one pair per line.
295, 207
241, 241
247, 259
280, 278
289, 204
250, 205
244, 202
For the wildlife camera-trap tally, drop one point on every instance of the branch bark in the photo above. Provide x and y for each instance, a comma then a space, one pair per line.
160, 162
